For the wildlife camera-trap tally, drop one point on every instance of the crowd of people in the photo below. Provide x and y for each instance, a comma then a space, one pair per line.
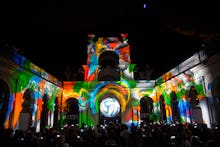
114, 135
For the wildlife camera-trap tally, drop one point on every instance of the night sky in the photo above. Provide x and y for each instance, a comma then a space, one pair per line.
53, 34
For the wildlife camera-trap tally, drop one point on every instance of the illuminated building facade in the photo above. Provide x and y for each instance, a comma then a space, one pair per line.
30, 96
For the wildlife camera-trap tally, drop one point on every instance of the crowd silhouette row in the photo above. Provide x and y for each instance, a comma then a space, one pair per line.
117, 135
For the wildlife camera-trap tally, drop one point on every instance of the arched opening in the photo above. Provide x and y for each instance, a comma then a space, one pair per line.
162, 109
108, 58
146, 104
28, 107
72, 111
174, 107
109, 109
108, 62
4, 99
195, 110
44, 113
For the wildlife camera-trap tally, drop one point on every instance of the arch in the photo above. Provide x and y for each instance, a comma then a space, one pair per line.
109, 71
4, 100
146, 104
71, 109
108, 58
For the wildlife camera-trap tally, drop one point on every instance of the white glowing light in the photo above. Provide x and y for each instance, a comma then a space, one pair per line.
109, 107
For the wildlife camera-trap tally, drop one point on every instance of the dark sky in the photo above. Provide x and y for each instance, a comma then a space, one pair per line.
53, 33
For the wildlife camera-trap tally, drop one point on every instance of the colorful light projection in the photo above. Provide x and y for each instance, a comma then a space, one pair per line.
95, 49
128, 91
90, 94
180, 85
39, 88
29, 84
28, 78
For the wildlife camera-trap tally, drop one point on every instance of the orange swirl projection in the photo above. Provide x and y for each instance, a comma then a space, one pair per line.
200, 96
41, 85
17, 107
143, 94
39, 108
123, 90
125, 53
135, 109
70, 94
168, 110
135, 117
128, 92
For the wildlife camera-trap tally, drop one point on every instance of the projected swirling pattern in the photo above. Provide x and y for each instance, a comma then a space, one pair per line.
129, 96
36, 80
127, 90
90, 92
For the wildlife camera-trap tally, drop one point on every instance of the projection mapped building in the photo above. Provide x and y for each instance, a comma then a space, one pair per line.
30, 96
109, 91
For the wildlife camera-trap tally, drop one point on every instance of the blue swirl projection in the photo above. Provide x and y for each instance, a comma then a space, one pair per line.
94, 61
109, 107
93, 95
